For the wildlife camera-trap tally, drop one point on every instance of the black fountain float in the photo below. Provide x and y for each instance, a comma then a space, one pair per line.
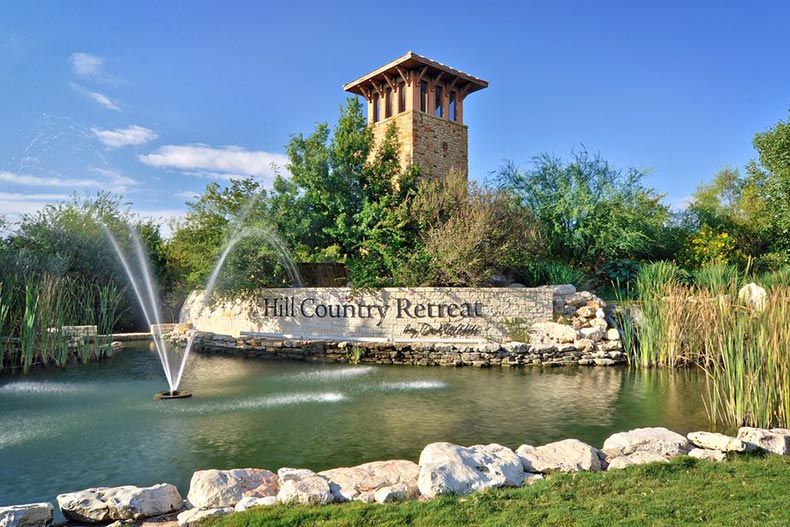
175, 394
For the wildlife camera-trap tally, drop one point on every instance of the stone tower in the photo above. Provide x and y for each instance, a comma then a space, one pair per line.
425, 100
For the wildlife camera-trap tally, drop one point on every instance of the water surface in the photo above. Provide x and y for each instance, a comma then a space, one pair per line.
98, 425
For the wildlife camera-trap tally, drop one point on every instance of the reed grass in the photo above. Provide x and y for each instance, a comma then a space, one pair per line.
743, 350
34, 311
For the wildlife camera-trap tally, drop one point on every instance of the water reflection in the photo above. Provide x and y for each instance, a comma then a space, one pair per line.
97, 425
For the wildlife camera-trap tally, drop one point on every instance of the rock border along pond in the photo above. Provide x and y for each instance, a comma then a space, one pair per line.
443, 469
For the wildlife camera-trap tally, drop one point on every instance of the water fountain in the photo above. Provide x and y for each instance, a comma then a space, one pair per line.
174, 357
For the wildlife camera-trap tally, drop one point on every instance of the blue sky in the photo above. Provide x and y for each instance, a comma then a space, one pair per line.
155, 99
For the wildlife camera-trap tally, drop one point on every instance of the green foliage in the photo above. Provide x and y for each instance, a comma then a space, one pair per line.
67, 240
769, 175
619, 274
256, 261
589, 211
549, 272
466, 234
684, 491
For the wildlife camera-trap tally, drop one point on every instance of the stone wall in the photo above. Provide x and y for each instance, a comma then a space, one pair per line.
437, 145
390, 314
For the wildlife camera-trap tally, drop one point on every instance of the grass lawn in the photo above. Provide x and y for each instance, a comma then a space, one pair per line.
746, 490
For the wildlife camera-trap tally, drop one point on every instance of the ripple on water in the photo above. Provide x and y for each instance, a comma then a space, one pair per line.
43, 388
20, 430
256, 403
330, 374
414, 385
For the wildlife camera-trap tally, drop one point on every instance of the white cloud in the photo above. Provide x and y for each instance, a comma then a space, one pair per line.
86, 65
113, 181
36, 181
186, 195
13, 204
132, 135
226, 162
97, 97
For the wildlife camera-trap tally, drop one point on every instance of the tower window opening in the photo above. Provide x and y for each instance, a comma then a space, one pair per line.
376, 108
452, 110
424, 96
401, 97
438, 110
388, 102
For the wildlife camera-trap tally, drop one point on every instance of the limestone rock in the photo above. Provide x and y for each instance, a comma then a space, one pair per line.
753, 296
776, 440
564, 289
586, 312
214, 489
192, 517
120, 503
569, 455
584, 345
594, 334
313, 490
715, 441
286, 474
637, 458
612, 334
28, 515
250, 502
657, 440
446, 468
395, 493
707, 454
361, 482
552, 333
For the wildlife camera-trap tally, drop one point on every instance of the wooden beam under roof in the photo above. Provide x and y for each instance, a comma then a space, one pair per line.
413, 61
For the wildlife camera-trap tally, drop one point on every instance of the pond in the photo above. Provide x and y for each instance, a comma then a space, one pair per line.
98, 425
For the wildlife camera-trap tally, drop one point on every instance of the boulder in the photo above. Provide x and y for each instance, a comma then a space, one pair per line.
552, 333
286, 473
569, 455
394, 493
192, 517
612, 334
594, 334
216, 489
776, 440
707, 454
564, 289
128, 502
657, 440
446, 468
360, 483
637, 458
313, 490
250, 502
28, 515
753, 296
715, 441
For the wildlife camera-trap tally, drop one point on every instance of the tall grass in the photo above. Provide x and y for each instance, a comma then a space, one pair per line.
34, 311
699, 320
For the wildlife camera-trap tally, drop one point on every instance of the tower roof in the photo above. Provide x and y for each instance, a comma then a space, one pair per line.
413, 61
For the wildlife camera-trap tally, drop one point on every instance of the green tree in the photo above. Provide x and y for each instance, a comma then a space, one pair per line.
768, 178
342, 202
238, 212
589, 211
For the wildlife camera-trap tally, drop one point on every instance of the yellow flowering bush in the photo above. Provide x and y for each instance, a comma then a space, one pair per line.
708, 246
